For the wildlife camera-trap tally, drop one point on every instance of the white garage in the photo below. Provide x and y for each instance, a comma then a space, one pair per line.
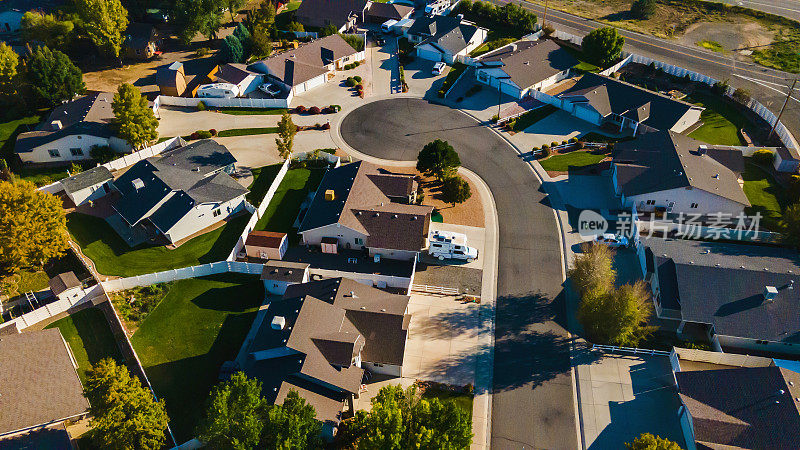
428, 52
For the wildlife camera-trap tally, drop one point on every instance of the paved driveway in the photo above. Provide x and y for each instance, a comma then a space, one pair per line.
533, 401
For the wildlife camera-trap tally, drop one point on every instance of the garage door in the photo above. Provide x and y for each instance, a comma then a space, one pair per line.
300, 88
314, 82
432, 55
510, 90
586, 114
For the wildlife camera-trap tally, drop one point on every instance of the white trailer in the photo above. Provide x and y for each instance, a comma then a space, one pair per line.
218, 90
448, 245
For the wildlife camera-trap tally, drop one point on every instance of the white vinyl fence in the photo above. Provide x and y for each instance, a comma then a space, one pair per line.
121, 284
191, 102
259, 212
52, 309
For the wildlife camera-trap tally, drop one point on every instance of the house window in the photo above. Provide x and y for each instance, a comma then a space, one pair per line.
216, 212
76, 151
651, 202
359, 241
482, 76
693, 205
54, 153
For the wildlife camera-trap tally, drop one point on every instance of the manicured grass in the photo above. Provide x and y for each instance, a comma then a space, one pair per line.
282, 20
112, 256
262, 180
437, 217
247, 131
489, 46
200, 324
714, 46
721, 121
89, 337
531, 117
583, 63
453, 75
765, 195
285, 205
251, 111
462, 400
562, 163
9, 130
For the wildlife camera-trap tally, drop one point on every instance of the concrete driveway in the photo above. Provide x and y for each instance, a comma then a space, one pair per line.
182, 121
476, 236
558, 126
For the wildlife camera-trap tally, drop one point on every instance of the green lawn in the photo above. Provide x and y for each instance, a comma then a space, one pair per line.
112, 256
562, 163
9, 131
247, 131
531, 117
462, 400
489, 46
89, 337
721, 122
251, 111
282, 20
453, 75
263, 177
583, 63
714, 46
285, 205
765, 194
8, 135
182, 343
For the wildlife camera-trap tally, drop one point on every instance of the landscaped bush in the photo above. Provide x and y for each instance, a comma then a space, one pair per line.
335, 108
350, 82
135, 304
763, 157
314, 110
201, 106
300, 109
545, 151
203, 134
574, 139
357, 78
495, 118
194, 136
563, 142
553, 144
741, 95
213, 131
326, 126
202, 52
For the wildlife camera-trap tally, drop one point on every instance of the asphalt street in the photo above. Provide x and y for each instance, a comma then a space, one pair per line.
533, 392
768, 86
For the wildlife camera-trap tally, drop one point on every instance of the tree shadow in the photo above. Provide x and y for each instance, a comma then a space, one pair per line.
236, 298
227, 238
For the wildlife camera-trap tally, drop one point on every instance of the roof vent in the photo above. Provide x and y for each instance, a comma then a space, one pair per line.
137, 183
358, 213
363, 307
394, 216
330, 195
278, 323
716, 176
288, 272
377, 215
196, 169
770, 292
56, 125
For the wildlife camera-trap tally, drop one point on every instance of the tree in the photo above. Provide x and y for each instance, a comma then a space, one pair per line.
742, 96
134, 120
46, 29
105, 21
234, 6
328, 30
260, 43
33, 227
233, 418
593, 269
790, 225
291, 425
126, 416
763, 157
196, 16
263, 16
647, 441
455, 190
603, 45
245, 38
232, 50
295, 26
286, 131
52, 76
438, 158
9, 62
643, 9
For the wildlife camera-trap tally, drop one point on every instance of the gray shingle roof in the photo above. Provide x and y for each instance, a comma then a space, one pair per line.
38, 383
63, 281
233, 73
666, 160
276, 270
529, 62
306, 62
92, 177
336, 12
444, 32
389, 11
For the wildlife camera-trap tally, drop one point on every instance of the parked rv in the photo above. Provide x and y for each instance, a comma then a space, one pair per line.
218, 90
447, 245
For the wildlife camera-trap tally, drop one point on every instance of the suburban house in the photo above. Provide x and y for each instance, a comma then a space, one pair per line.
279, 275
141, 41
343, 14
606, 101
88, 185
736, 401
66, 286
382, 12
523, 66
266, 245
445, 38
10, 20
39, 384
321, 338
179, 193
238, 75
351, 210
669, 172
70, 131
309, 65
171, 79
737, 296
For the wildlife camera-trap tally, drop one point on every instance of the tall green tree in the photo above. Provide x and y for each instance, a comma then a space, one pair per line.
9, 62
603, 46
328, 30
233, 418
133, 118
33, 227
291, 425
46, 29
197, 16
647, 441
260, 42
643, 9
125, 414
263, 16
438, 158
286, 131
593, 269
455, 190
52, 77
790, 225
231, 50
105, 21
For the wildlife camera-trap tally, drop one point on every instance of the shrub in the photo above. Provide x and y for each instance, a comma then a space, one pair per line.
495, 118
201, 106
763, 157
563, 142
741, 95
203, 134
350, 82
545, 151
194, 136
335, 108
202, 52
720, 87
441, 94
213, 131
579, 145
548, 30
314, 110
326, 126
317, 125
553, 144
360, 87
357, 78
300, 109
574, 139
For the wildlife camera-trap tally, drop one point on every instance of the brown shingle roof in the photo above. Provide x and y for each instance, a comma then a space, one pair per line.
63, 281
308, 61
269, 239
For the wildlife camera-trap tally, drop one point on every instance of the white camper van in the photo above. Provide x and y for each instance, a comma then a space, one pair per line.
387, 26
447, 245
218, 90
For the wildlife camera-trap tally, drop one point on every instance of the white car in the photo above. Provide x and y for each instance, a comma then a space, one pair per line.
269, 89
438, 68
611, 240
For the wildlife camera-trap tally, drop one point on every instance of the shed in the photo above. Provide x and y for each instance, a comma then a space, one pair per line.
330, 245
88, 185
171, 79
266, 245
66, 286
278, 275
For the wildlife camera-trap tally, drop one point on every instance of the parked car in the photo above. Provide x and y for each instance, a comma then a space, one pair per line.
612, 240
269, 89
380, 40
438, 68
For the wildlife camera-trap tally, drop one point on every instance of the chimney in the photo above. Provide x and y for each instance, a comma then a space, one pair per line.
56, 125
278, 323
288, 72
702, 150
330, 195
770, 292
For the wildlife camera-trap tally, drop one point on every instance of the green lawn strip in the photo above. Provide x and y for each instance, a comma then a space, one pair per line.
721, 121
583, 64
461, 399
112, 256
285, 205
247, 131
562, 163
489, 46
531, 117
251, 111
89, 337
200, 324
453, 75
262, 180
714, 46
765, 195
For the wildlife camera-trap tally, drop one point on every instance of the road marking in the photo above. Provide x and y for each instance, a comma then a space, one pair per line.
769, 6
763, 83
